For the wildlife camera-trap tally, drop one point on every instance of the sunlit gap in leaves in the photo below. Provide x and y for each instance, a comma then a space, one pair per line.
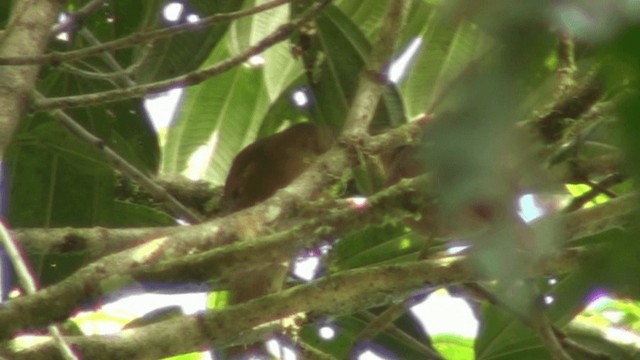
399, 67
111, 317
442, 313
161, 109
200, 159
173, 11
256, 61
280, 351
63, 36
300, 98
372, 351
306, 266
529, 208
327, 332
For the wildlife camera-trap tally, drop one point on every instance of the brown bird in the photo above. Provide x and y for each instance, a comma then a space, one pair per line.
271, 163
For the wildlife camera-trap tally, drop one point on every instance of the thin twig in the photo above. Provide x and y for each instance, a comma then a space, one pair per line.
193, 78
75, 19
601, 187
30, 286
109, 59
138, 38
541, 323
124, 166
111, 76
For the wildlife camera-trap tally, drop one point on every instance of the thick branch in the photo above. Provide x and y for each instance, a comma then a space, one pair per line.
26, 35
338, 294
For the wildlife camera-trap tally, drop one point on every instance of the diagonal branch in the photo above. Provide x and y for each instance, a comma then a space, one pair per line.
124, 166
193, 78
137, 38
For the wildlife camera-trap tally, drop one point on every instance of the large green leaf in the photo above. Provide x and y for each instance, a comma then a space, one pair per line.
219, 117
502, 336
280, 68
446, 50
367, 14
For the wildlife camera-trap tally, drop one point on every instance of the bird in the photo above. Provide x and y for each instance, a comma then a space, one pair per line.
271, 163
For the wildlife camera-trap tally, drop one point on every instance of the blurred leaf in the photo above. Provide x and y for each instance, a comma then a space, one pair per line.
393, 248
504, 336
48, 190
594, 340
614, 266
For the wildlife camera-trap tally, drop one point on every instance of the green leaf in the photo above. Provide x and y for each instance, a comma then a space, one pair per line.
502, 336
367, 14
446, 50
280, 67
453, 347
218, 118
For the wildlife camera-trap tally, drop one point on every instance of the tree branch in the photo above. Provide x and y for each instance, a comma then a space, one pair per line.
124, 166
338, 294
75, 20
27, 34
193, 78
374, 76
137, 38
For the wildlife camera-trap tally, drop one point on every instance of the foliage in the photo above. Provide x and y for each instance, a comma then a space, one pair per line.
501, 99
